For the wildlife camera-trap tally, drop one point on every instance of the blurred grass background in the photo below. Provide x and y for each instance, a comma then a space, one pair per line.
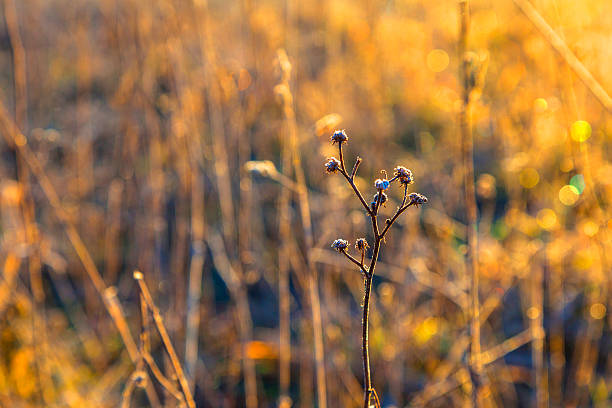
141, 116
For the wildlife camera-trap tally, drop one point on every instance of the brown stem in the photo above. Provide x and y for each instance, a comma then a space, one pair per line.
467, 150
163, 333
356, 262
367, 380
400, 210
367, 377
565, 52
14, 137
369, 272
351, 178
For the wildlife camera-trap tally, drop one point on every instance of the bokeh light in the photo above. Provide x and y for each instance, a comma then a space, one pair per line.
540, 105
437, 60
529, 177
580, 131
598, 311
547, 219
568, 195
188, 139
577, 181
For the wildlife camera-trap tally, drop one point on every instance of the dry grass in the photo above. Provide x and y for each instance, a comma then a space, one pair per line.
174, 138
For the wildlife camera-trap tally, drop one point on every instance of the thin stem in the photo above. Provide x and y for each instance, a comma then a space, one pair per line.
405, 196
471, 260
356, 262
565, 52
284, 253
178, 369
373, 215
161, 378
367, 380
367, 377
351, 178
304, 206
355, 167
127, 392
390, 222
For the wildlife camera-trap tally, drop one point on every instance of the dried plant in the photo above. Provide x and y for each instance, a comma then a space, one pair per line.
404, 177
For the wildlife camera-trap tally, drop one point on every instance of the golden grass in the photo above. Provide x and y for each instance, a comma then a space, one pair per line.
186, 139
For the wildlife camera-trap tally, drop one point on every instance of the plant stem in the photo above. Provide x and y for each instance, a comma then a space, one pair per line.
467, 150
367, 377
369, 272
367, 381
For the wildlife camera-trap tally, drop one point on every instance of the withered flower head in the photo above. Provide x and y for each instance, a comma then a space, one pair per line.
403, 174
381, 184
383, 199
361, 244
332, 165
340, 244
416, 199
339, 136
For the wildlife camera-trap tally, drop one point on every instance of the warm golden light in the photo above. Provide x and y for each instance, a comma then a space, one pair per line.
248, 203
568, 195
529, 177
580, 131
547, 219
437, 60
597, 311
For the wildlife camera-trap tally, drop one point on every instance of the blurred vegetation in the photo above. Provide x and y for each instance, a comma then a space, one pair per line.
143, 117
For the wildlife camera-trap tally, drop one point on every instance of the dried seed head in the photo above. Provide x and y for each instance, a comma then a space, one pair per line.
416, 199
339, 136
403, 174
383, 199
381, 184
340, 245
361, 244
332, 165
264, 168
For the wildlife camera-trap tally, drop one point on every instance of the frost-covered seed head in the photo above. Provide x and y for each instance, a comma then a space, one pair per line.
339, 136
361, 244
381, 184
383, 200
416, 199
340, 244
332, 165
403, 174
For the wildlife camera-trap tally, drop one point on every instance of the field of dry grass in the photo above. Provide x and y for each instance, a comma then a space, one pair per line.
166, 214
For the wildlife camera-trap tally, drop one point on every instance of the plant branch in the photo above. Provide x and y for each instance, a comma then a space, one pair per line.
341, 245
390, 222
157, 319
351, 178
356, 262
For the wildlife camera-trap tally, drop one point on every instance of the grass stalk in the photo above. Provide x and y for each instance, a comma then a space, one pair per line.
14, 137
163, 333
564, 51
467, 153
304, 207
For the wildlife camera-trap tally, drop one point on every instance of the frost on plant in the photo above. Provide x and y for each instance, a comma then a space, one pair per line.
404, 177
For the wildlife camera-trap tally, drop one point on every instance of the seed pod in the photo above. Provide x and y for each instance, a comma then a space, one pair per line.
361, 244
332, 165
339, 136
340, 244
